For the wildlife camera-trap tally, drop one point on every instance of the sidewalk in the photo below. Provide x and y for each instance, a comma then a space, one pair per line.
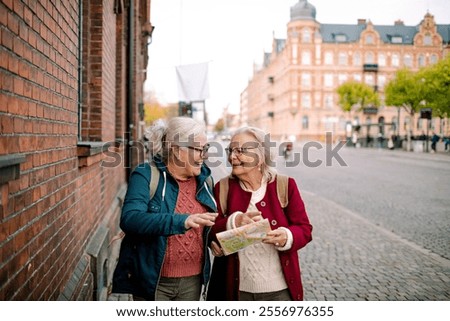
352, 259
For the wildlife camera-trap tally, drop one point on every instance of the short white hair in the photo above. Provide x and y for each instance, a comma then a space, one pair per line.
262, 138
163, 134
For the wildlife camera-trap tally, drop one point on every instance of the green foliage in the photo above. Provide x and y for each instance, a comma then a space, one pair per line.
358, 95
437, 87
405, 90
430, 87
152, 112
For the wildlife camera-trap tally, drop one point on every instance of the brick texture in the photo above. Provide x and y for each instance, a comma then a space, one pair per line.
49, 214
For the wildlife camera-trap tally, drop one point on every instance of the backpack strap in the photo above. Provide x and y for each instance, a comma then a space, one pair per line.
154, 179
223, 193
282, 190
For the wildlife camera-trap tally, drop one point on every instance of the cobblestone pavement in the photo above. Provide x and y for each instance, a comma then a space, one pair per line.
351, 258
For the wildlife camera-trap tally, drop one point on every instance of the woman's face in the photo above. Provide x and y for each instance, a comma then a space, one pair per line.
189, 156
244, 155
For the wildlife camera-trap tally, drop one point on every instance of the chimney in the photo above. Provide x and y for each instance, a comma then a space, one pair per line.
361, 21
399, 23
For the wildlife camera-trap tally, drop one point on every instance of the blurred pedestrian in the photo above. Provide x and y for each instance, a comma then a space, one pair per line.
434, 140
164, 254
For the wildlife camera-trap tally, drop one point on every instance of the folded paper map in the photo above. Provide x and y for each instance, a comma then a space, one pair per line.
239, 238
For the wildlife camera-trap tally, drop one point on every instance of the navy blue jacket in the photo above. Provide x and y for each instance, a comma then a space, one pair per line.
147, 225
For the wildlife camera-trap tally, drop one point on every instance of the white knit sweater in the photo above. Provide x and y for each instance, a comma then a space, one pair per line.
260, 267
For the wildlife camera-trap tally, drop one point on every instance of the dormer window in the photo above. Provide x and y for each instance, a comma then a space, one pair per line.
369, 40
397, 39
427, 40
341, 38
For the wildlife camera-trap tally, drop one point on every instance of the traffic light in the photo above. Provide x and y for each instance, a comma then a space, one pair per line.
184, 109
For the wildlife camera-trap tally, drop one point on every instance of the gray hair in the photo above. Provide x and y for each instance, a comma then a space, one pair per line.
264, 148
163, 134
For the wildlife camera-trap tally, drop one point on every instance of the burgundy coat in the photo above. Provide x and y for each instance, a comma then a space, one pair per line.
224, 284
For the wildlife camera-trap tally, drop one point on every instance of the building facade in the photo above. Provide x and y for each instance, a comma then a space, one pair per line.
71, 91
294, 92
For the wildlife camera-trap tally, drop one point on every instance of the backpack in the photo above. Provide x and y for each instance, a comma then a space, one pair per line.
282, 191
154, 179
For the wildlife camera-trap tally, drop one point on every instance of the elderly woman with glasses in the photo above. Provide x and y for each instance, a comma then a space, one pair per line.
164, 254
268, 270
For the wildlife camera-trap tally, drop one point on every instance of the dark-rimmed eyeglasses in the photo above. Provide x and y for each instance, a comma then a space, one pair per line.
238, 151
202, 150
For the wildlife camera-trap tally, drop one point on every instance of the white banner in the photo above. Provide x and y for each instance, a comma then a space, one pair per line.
192, 81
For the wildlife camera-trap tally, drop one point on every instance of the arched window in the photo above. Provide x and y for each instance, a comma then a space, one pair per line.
421, 60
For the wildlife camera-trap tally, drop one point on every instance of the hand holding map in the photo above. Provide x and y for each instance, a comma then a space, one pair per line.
239, 238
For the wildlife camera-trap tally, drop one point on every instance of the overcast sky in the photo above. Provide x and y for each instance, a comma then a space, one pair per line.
233, 34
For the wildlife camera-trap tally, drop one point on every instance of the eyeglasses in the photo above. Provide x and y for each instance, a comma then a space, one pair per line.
202, 150
238, 151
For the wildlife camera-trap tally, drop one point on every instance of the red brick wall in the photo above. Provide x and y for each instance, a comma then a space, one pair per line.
49, 214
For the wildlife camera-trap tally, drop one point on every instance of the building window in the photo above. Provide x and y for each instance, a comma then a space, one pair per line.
433, 58
369, 40
328, 80
343, 60
306, 36
381, 81
294, 55
306, 58
407, 60
341, 38
306, 79
305, 122
427, 40
369, 79
357, 59
328, 58
421, 60
369, 58
381, 60
306, 100
395, 60
357, 77
329, 101
397, 39
342, 78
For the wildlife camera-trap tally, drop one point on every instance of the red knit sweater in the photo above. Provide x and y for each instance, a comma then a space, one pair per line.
184, 254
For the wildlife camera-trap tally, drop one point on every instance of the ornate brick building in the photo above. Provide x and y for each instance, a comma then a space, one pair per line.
71, 90
294, 92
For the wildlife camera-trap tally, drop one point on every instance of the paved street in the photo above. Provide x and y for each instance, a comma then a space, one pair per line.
381, 225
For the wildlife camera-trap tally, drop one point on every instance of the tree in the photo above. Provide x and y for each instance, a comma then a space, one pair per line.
353, 94
153, 111
220, 125
436, 87
406, 91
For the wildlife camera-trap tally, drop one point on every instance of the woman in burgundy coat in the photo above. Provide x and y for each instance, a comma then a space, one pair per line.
269, 270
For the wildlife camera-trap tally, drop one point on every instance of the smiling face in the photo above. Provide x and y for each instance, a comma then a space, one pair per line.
244, 156
188, 157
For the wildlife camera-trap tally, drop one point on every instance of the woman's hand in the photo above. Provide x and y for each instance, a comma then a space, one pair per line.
198, 220
276, 237
247, 218
216, 249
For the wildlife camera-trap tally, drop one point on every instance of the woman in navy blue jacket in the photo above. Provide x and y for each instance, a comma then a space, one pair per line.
164, 254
